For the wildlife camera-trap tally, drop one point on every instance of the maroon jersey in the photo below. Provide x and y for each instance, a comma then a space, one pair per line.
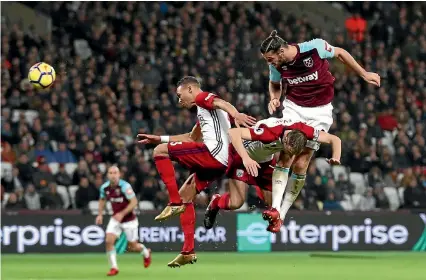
309, 81
119, 197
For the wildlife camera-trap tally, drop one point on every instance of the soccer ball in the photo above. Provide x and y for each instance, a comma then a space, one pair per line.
41, 75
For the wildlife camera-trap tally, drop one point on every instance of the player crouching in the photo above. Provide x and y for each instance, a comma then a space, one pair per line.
123, 202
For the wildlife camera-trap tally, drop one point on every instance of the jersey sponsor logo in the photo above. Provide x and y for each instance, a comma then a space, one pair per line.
299, 80
116, 199
309, 62
239, 173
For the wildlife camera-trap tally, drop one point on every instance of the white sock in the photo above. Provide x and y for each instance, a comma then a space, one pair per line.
112, 256
295, 185
145, 251
279, 182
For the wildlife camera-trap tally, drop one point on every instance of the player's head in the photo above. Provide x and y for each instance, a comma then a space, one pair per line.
187, 89
114, 174
274, 50
294, 142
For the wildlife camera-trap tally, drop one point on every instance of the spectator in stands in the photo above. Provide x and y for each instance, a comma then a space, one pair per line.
81, 171
14, 203
42, 176
330, 204
63, 155
375, 177
62, 177
32, 198
331, 188
343, 184
415, 195
380, 197
368, 202
85, 193
356, 27
51, 199
25, 169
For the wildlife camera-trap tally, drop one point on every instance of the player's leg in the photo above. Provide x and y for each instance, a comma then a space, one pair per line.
133, 245
167, 172
297, 180
231, 200
187, 221
113, 231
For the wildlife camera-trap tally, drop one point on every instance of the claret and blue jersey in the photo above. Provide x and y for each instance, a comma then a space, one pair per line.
118, 196
309, 81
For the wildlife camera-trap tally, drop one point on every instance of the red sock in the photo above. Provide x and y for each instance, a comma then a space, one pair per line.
187, 221
223, 202
260, 193
167, 173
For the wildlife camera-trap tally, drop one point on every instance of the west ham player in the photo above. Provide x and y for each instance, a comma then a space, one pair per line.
254, 161
304, 71
207, 160
123, 202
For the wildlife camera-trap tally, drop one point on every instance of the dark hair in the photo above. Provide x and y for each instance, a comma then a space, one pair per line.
188, 80
296, 139
272, 43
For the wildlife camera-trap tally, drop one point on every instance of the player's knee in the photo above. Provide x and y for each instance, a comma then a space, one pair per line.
161, 150
132, 246
110, 239
300, 165
235, 203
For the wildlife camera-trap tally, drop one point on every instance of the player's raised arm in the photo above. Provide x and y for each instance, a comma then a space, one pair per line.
336, 146
236, 135
192, 136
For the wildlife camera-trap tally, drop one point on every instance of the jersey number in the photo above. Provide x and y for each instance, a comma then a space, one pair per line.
175, 143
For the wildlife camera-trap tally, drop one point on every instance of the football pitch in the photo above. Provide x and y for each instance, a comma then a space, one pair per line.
221, 266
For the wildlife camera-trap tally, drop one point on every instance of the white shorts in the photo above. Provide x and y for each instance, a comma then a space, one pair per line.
130, 229
320, 118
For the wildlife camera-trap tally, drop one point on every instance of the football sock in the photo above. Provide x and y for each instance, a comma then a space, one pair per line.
144, 251
167, 173
112, 256
187, 221
223, 202
279, 182
295, 185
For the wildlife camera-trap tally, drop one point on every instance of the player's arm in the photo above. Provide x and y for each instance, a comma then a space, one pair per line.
211, 101
336, 145
101, 206
192, 136
133, 202
275, 89
237, 135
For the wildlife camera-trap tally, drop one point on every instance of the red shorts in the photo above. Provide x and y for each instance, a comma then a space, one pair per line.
238, 172
196, 157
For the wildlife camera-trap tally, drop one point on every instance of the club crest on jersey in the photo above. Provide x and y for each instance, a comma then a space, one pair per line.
309, 62
240, 173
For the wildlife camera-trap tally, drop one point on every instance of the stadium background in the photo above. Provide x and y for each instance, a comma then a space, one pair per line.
117, 66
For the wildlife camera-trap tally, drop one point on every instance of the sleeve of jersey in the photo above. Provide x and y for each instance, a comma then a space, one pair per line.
274, 75
310, 132
205, 100
324, 49
264, 134
102, 192
126, 188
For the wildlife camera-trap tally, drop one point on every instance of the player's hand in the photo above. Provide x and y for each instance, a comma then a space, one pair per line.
118, 217
273, 105
251, 166
333, 161
148, 139
99, 219
372, 78
244, 120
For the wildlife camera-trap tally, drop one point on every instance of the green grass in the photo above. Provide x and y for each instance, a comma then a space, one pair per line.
221, 266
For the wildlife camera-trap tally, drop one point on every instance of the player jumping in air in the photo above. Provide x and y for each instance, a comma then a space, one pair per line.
303, 70
207, 160
123, 202
254, 161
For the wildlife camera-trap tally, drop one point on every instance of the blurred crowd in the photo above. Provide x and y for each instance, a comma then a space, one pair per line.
117, 66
